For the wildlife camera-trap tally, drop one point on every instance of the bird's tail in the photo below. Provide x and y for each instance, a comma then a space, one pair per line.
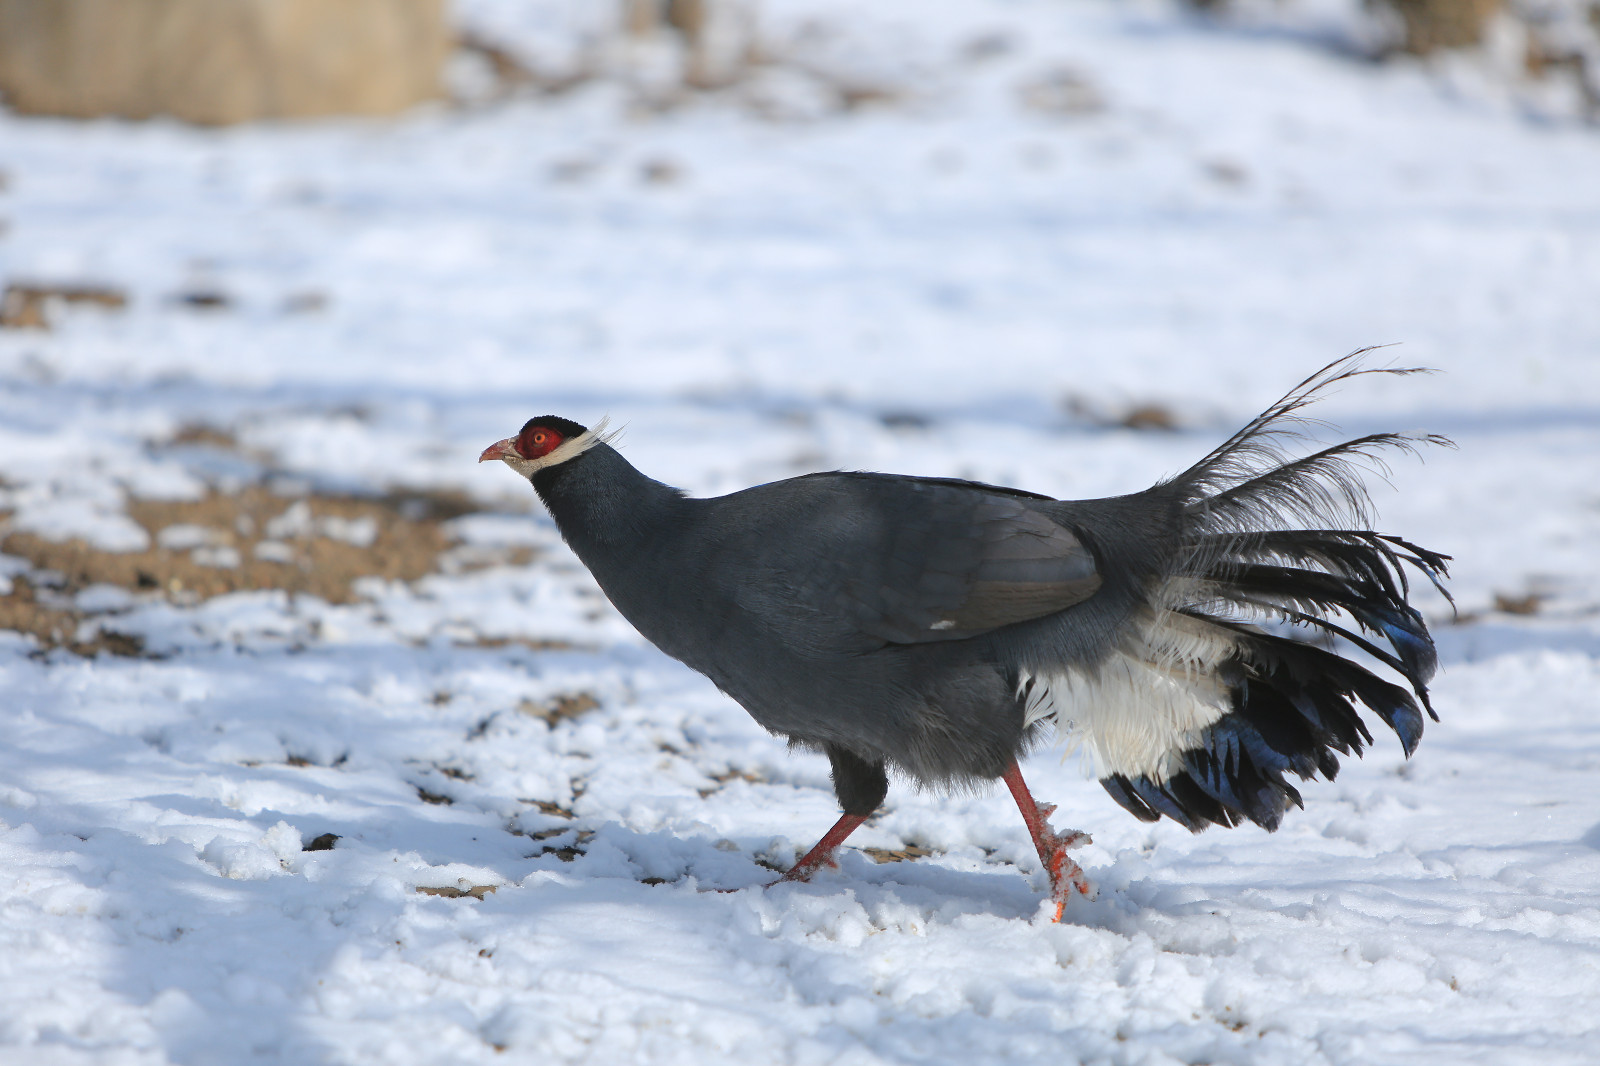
1277, 538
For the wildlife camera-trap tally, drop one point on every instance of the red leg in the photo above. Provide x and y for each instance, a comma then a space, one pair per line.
1065, 875
822, 854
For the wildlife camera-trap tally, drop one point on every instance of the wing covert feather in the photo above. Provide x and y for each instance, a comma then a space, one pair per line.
908, 561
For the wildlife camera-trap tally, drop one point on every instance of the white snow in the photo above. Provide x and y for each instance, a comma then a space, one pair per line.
947, 282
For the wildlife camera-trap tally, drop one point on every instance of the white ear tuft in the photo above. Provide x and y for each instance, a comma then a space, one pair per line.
602, 432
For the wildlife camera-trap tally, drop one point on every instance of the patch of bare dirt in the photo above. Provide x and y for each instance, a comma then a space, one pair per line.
56, 626
199, 433
909, 853
317, 544
438, 798
560, 708
25, 305
518, 557
565, 852
256, 539
730, 775
555, 810
1143, 416
475, 891
1434, 24
1513, 604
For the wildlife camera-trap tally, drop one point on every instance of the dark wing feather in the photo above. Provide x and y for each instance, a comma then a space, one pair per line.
900, 560
961, 562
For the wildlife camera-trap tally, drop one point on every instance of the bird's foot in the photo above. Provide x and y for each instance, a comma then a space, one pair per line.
802, 870
1066, 876
822, 854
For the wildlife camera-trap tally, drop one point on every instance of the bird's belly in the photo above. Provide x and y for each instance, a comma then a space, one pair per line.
938, 711
935, 719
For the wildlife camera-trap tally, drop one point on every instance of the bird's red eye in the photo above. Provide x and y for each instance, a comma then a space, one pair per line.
538, 441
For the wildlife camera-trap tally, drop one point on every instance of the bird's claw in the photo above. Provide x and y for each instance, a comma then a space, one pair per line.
802, 871
822, 854
807, 865
1066, 876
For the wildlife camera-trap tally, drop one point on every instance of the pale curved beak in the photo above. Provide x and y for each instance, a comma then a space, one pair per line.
500, 449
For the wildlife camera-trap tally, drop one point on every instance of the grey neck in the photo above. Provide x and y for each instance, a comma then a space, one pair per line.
599, 500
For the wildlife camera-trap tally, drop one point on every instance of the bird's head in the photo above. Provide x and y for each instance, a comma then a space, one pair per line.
544, 442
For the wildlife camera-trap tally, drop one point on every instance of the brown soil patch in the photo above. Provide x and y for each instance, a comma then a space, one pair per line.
198, 433
568, 852
906, 854
730, 775
1138, 416
322, 554
555, 810
319, 545
1527, 604
560, 708
1435, 24
1148, 416
24, 305
519, 558
476, 891
56, 626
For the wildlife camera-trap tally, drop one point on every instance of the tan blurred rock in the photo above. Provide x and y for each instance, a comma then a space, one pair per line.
220, 61
1433, 24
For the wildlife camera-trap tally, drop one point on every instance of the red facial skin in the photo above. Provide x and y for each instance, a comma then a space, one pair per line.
537, 441
532, 443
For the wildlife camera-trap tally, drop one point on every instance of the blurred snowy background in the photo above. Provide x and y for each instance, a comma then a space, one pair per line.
317, 746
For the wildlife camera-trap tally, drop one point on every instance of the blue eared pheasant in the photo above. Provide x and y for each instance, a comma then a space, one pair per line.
935, 625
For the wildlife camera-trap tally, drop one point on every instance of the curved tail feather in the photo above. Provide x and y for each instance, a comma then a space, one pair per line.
1245, 558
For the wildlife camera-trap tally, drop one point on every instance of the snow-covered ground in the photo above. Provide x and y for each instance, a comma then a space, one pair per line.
1048, 215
